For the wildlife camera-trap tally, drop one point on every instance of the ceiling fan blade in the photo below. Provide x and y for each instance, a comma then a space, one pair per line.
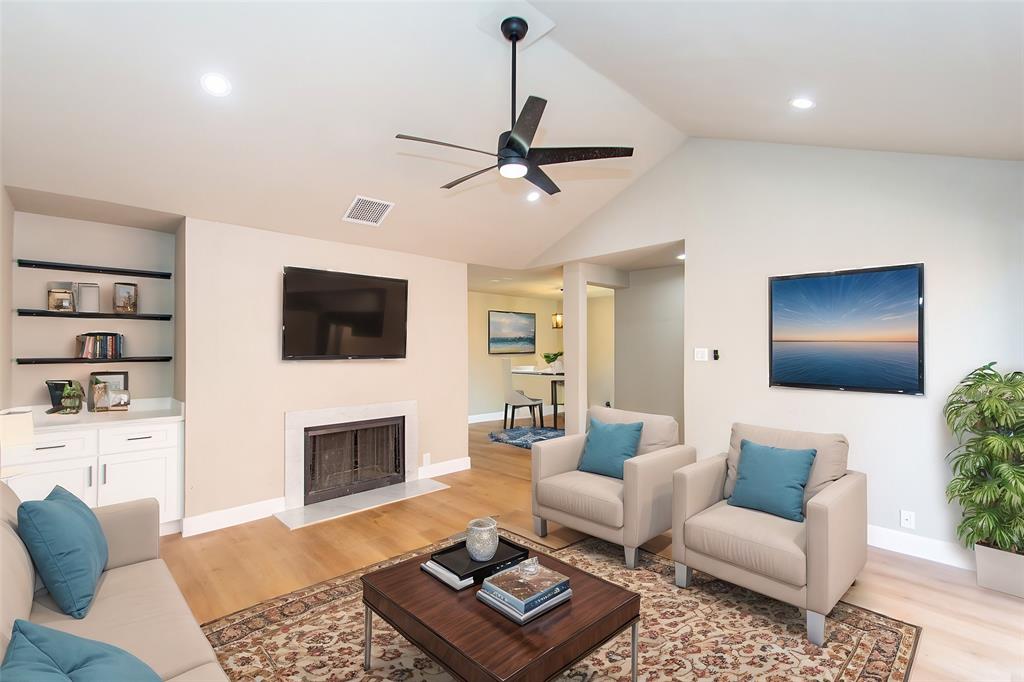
526, 125
546, 155
468, 177
541, 179
443, 144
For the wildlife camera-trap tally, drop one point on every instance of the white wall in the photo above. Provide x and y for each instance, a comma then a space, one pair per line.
239, 388
649, 342
486, 383
751, 210
39, 237
6, 280
601, 349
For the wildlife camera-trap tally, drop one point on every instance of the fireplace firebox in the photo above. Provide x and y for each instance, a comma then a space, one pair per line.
343, 459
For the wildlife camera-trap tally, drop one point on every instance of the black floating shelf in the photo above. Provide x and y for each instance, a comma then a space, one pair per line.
79, 361
32, 312
74, 267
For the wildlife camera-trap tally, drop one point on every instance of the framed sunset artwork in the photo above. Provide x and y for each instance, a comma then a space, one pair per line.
850, 330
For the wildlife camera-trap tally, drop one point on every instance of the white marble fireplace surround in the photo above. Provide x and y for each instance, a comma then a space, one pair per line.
295, 424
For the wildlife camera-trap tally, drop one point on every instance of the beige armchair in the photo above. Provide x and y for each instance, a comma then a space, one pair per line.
810, 564
628, 512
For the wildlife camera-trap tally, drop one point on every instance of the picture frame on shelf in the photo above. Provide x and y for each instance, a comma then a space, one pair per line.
87, 297
60, 300
126, 297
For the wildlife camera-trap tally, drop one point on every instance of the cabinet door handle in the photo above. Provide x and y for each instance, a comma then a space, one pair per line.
52, 447
90, 477
103, 475
139, 438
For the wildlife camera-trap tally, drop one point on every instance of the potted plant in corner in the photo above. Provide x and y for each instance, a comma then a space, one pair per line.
986, 414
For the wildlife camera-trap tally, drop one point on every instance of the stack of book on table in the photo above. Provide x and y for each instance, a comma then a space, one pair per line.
522, 594
455, 568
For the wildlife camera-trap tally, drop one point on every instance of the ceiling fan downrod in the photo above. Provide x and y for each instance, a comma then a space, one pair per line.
514, 29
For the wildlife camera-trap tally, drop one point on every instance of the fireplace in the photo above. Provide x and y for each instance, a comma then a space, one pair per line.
352, 457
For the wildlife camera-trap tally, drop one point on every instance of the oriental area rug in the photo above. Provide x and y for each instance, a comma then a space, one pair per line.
711, 631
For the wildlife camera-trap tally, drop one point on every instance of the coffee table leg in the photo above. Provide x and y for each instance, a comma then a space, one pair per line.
633, 649
368, 638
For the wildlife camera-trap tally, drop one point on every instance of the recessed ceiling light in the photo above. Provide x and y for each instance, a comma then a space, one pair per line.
681, 256
217, 84
533, 196
801, 103
495, 280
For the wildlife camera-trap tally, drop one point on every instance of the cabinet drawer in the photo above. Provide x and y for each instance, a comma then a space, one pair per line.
141, 437
55, 445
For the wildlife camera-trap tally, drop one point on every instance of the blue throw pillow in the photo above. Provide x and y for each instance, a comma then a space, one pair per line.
608, 447
772, 480
41, 654
67, 546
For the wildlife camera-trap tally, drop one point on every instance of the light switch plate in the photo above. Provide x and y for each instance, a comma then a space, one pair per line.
700, 354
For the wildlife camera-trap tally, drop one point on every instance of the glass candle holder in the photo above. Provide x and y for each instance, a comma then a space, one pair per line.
482, 539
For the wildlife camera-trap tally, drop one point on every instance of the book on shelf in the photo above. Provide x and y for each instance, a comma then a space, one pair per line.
523, 590
522, 618
99, 345
446, 576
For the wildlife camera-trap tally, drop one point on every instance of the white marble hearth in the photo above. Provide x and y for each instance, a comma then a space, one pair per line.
296, 423
350, 504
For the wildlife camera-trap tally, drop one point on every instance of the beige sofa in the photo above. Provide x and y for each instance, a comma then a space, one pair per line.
809, 564
628, 512
137, 606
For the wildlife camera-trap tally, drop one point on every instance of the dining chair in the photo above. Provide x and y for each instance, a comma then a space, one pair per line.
514, 399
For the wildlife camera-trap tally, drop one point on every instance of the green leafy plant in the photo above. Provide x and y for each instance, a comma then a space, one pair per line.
986, 414
551, 357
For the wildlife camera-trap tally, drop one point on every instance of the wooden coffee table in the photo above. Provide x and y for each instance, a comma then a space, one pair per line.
473, 642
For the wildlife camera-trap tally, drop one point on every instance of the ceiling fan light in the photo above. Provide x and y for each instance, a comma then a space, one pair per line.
513, 168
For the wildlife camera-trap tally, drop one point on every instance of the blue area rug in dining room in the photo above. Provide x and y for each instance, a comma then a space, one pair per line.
525, 436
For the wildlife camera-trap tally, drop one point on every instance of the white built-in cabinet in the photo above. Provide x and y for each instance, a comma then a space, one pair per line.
104, 464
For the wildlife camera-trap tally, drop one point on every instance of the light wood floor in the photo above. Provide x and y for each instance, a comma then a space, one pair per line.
969, 633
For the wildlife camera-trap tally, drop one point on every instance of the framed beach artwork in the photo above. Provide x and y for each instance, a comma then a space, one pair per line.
851, 330
509, 332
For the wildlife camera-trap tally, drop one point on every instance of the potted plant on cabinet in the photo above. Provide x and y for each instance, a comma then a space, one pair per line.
986, 414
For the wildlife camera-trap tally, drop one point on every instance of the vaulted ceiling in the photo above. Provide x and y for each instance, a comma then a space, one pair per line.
102, 100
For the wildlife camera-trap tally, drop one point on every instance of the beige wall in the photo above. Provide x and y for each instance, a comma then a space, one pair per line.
751, 210
239, 388
179, 312
41, 237
485, 380
649, 342
6, 280
601, 350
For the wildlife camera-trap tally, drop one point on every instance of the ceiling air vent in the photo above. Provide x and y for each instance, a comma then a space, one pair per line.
367, 211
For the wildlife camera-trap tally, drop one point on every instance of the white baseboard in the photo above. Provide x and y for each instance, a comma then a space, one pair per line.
498, 416
942, 551
222, 518
170, 527
449, 466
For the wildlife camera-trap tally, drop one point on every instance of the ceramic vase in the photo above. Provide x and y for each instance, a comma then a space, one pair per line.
482, 539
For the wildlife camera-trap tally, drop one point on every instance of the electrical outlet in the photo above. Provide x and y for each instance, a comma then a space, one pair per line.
907, 519
700, 354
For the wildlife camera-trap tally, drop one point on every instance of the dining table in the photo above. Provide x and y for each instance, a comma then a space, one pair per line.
557, 378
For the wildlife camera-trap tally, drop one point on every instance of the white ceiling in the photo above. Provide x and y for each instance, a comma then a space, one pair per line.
546, 282
102, 100
931, 77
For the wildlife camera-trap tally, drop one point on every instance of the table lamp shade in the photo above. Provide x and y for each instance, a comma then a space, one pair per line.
15, 429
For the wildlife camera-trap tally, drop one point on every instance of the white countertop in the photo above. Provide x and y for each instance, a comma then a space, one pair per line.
152, 409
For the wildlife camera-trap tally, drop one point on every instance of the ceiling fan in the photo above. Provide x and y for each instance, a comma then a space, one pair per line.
515, 157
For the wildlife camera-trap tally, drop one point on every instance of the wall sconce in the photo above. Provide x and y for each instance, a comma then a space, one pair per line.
556, 320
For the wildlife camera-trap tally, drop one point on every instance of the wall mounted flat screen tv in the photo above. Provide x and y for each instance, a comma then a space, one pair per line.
341, 316
852, 330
